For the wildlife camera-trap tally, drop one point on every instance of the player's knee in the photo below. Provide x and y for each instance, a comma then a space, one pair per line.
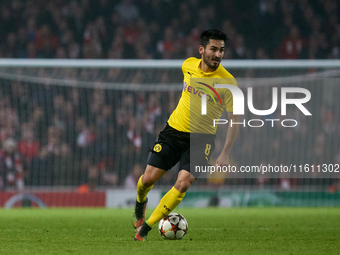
148, 181
151, 175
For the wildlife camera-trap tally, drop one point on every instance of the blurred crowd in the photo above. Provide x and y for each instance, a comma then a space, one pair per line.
56, 135
168, 29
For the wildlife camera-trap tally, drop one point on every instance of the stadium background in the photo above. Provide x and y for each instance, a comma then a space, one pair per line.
168, 29
81, 136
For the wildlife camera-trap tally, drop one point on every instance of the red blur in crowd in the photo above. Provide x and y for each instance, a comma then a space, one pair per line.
292, 45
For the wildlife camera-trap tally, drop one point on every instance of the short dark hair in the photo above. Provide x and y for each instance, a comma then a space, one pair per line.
214, 34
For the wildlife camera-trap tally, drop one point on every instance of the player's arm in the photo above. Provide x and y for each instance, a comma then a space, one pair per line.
223, 159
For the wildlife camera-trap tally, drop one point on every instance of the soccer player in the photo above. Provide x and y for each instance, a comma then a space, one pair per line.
175, 143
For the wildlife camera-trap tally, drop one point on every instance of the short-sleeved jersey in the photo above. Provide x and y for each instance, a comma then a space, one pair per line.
187, 117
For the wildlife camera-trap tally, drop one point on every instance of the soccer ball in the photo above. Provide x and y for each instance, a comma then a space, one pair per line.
173, 226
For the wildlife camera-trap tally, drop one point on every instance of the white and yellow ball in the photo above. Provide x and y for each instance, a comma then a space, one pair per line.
173, 227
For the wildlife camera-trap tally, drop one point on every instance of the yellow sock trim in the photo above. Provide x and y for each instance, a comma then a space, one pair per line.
168, 202
142, 191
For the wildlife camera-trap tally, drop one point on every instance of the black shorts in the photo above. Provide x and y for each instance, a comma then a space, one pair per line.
174, 146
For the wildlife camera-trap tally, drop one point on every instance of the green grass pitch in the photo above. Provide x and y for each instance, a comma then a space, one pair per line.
211, 231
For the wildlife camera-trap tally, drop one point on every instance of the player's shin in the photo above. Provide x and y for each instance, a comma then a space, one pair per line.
142, 191
141, 202
168, 202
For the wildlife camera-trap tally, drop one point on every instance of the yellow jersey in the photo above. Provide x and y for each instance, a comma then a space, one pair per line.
188, 117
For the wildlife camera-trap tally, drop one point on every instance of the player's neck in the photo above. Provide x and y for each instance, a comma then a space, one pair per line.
204, 68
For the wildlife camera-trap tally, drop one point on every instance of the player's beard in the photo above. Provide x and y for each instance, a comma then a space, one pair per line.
210, 62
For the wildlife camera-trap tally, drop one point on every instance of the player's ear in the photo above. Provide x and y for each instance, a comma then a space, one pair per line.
201, 49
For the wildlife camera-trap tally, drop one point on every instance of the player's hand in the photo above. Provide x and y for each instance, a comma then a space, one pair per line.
222, 160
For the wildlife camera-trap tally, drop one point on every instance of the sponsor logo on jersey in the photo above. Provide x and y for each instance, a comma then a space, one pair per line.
208, 93
201, 90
